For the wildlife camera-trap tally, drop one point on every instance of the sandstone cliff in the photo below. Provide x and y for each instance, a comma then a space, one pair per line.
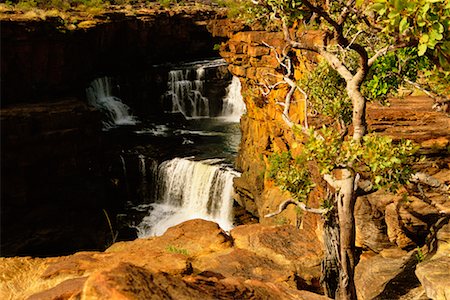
256, 261
384, 221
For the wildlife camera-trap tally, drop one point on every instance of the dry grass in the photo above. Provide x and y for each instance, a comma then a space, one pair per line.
20, 277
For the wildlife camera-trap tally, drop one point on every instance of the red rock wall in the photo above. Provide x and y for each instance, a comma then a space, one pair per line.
383, 220
263, 129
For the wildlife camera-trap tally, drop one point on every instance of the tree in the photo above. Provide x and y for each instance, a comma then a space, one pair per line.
368, 48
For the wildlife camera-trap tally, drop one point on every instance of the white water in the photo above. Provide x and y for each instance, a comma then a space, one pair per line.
99, 95
233, 103
185, 90
188, 190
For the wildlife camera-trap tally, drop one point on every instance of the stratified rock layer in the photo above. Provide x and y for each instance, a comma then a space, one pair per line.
52, 178
193, 260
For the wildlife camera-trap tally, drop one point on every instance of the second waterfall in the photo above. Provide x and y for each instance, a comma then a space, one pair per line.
188, 189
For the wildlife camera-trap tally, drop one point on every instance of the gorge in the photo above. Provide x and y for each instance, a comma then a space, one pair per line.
129, 124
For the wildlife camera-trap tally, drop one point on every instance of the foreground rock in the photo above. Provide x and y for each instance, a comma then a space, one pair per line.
193, 260
434, 273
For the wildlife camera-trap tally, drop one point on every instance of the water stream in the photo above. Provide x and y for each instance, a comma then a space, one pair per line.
100, 95
184, 168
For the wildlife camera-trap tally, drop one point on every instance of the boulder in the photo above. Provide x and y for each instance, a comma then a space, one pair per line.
285, 245
434, 272
131, 282
193, 260
386, 275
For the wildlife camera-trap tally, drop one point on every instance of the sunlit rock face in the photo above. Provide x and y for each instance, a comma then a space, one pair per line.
383, 220
253, 261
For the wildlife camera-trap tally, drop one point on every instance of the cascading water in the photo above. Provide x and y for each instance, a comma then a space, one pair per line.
99, 95
200, 186
144, 183
233, 103
185, 91
188, 189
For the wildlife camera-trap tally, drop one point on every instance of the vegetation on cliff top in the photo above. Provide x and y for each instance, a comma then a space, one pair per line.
366, 50
70, 8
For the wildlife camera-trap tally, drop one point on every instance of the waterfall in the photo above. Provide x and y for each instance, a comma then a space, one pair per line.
233, 103
185, 91
99, 95
125, 176
188, 189
144, 183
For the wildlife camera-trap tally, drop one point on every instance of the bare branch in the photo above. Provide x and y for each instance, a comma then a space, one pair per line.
297, 44
302, 206
387, 49
318, 10
435, 97
354, 38
345, 12
420, 177
287, 104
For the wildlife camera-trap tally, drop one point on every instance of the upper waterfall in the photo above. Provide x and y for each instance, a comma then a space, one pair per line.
188, 91
185, 90
233, 103
99, 94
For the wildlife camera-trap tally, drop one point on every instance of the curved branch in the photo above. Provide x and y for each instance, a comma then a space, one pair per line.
302, 206
336, 64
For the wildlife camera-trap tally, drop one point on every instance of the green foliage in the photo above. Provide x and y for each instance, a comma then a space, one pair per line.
437, 81
291, 175
60, 4
391, 70
326, 93
378, 157
388, 163
176, 250
419, 255
427, 21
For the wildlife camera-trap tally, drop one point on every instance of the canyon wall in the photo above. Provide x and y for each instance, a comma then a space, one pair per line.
59, 171
43, 60
251, 57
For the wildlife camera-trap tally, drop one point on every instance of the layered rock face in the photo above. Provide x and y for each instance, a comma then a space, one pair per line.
47, 59
253, 262
389, 227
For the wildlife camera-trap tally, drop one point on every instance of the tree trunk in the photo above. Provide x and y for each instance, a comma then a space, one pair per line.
346, 205
330, 262
359, 110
